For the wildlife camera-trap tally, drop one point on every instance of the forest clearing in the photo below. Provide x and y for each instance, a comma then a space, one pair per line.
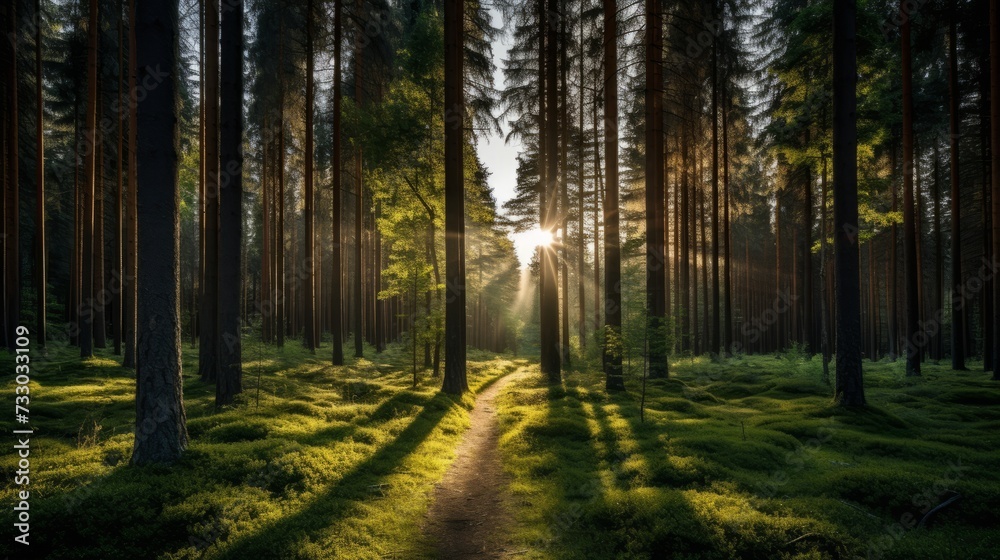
453, 279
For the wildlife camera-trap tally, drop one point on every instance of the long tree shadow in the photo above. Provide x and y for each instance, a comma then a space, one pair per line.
341, 496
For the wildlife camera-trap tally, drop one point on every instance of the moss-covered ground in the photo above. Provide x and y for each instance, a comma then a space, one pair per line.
746, 458
326, 462
741, 458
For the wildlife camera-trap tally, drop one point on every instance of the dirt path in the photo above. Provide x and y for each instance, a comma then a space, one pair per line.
468, 518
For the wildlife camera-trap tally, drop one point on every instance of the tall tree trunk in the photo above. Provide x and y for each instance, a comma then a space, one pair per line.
684, 270
612, 250
716, 335
893, 287
582, 244
598, 188
160, 435
208, 351
563, 178
380, 322
116, 264
909, 219
455, 381
824, 308
336, 324
359, 300
995, 175
131, 225
309, 234
548, 201
850, 386
202, 197
938, 306
957, 304
40, 268
99, 293
655, 287
727, 287
230, 367
89, 165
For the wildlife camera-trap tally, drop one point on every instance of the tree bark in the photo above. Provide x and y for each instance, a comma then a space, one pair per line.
229, 382
89, 164
909, 219
208, 351
309, 282
359, 300
655, 285
336, 324
612, 249
131, 222
957, 304
850, 386
548, 202
716, 338
160, 433
455, 381
40, 269
563, 179
995, 176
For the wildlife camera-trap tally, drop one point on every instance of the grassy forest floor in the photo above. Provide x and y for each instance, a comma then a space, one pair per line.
333, 463
747, 459
739, 459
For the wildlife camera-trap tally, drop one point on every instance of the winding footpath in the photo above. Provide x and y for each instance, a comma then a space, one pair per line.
469, 517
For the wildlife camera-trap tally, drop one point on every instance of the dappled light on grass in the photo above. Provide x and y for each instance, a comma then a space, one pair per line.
746, 458
334, 459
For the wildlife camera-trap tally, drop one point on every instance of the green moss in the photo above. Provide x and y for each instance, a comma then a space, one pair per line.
327, 463
748, 459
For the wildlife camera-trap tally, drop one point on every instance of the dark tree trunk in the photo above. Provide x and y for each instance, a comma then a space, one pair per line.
563, 179
336, 323
893, 287
957, 305
727, 330
824, 307
655, 287
850, 386
995, 175
582, 243
716, 338
455, 381
938, 306
230, 367
208, 351
684, 270
309, 234
359, 299
89, 165
40, 269
910, 251
598, 187
99, 293
131, 222
612, 249
160, 433
548, 203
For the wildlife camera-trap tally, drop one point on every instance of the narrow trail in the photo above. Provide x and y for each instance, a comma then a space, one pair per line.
468, 518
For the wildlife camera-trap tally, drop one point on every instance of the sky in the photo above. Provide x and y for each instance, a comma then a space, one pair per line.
501, 158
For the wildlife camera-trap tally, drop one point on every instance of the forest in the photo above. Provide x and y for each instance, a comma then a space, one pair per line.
455, 279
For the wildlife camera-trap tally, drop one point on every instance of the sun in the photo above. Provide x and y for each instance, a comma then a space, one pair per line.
538, 238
